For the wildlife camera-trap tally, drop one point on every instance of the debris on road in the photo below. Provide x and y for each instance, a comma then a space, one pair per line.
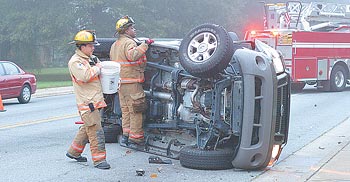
140, 172
159, 169
158, 160
154, 175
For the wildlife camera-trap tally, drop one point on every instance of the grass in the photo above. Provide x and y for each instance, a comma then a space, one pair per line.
48, 84
52, 77
49, 71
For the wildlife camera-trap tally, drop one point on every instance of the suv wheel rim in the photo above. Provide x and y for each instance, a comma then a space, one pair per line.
202, 47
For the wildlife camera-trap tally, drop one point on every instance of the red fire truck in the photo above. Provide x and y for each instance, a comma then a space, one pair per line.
313, 38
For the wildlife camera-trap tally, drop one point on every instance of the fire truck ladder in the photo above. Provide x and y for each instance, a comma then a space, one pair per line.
317, 16
294, 10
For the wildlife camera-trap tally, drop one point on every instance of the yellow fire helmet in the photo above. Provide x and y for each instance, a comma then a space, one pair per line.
123, 23
85, 37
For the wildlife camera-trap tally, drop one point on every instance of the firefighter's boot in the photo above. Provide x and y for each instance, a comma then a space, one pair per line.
124, 140
103, 165
139, 142
78, 159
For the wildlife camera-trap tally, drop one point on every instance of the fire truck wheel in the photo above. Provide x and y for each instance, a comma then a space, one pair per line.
338, 80
206, 50
192, 157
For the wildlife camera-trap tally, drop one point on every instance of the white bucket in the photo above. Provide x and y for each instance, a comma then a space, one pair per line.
110, 77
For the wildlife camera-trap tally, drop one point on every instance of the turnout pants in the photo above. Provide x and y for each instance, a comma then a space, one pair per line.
132, 102
91, 131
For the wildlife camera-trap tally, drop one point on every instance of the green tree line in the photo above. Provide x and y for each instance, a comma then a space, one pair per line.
35, 33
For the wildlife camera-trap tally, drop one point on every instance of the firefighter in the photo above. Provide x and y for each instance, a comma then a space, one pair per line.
84, 69
132, 59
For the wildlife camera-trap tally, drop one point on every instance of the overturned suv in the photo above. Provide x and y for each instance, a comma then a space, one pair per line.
214, 102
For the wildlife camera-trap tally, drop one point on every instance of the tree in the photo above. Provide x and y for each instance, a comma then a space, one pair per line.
32, 28
36, 32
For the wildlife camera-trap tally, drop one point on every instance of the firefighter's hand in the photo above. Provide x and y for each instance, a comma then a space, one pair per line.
149, 41
98, 65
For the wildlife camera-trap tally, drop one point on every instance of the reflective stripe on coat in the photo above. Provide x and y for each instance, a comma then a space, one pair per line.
131, 58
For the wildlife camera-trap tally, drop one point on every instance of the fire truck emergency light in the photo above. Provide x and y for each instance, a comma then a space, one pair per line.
274, 33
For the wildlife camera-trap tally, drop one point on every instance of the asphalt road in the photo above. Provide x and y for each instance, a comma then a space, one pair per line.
35, 137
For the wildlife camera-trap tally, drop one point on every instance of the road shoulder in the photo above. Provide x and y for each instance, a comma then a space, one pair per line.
316, 160
53, 91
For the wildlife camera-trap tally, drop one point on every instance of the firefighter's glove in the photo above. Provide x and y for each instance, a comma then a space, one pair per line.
91, 63
149, 41
93, 60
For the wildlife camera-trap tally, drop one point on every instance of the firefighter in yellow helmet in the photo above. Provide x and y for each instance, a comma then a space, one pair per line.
84, 69
132, 59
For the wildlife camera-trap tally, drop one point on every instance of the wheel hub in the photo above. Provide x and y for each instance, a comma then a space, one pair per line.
26, 93
202, 47
339, 79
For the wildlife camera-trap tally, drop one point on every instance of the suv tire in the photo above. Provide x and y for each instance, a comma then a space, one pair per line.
193, 157
102, 50
111, 132
206, 50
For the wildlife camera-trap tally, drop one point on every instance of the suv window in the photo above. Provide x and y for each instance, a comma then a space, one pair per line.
11, 69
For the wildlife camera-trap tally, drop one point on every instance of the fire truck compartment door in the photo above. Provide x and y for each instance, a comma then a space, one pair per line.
322, 69
305, 69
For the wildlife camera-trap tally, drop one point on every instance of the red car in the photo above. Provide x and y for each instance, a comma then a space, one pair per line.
16, 83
